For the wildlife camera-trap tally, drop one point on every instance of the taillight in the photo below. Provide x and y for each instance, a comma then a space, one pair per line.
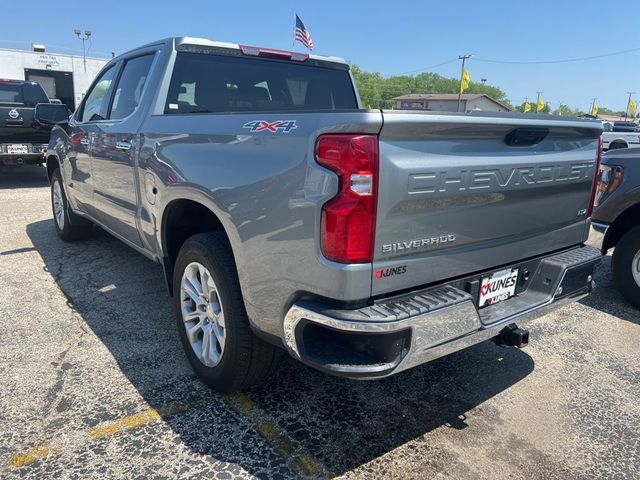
349, 218
594, 187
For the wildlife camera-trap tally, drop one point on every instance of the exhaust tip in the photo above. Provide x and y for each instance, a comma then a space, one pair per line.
513, 336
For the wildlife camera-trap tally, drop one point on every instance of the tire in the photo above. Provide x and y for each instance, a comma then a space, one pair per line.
209, 304
626, 266
617, 145
69, 226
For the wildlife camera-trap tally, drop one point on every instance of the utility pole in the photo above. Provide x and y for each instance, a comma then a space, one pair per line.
87, 34
464, 59
593, 102
626, 113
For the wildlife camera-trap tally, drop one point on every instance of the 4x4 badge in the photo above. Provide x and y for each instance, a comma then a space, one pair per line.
263, 125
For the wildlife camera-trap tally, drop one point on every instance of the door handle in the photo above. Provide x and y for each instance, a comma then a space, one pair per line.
124, 146
85, 141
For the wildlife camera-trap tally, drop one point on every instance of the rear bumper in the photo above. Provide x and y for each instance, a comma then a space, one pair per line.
21, 159
398, 333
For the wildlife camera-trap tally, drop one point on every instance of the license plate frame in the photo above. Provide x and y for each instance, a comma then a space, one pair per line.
17, 149
497, 287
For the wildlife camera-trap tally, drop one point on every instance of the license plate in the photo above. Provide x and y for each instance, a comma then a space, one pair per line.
17, 149
498, 287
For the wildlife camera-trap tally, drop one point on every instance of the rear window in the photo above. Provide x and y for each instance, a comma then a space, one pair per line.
25, 94
203, 83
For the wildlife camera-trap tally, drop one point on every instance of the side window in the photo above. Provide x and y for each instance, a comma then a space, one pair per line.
130, 85
95, 103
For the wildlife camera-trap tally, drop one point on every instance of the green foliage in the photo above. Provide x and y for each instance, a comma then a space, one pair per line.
608, 111
378, 92
520, 108
567, 111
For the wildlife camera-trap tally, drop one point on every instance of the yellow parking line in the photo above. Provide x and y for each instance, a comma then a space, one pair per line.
293, 453
134, 421
36, 453
300, 462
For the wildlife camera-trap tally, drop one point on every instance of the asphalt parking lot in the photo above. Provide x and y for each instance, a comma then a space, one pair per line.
94, 384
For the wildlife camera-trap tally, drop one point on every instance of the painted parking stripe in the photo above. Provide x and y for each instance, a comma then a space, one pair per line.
290, 450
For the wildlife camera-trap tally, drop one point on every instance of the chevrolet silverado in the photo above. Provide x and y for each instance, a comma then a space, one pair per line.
284, 214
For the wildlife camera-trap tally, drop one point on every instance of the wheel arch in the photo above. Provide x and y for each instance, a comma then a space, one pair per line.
182, 218
618, 141
622, 224
52, 163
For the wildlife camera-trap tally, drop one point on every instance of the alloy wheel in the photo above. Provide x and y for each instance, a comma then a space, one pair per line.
202, 314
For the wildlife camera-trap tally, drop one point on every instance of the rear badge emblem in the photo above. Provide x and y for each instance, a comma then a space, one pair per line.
421, 243
13, 113
284, 126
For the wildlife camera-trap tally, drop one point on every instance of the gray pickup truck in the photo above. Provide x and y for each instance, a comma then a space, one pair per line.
616, 218
364, 242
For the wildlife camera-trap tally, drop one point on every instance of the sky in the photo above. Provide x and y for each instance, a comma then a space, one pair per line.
387, 37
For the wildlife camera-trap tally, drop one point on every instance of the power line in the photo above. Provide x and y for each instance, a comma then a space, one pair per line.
423, 68
566, 60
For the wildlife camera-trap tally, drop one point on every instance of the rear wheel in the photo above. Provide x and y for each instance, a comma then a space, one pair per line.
212, 321
626, 266
69, 226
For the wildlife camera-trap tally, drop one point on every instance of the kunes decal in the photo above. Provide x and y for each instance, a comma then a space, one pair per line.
389, 272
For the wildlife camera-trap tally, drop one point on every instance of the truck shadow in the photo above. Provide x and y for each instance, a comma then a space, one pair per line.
607, 298
341, 424
27, 176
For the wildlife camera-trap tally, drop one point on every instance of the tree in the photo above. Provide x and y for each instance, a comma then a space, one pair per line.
378, 92
567, 111
532, 104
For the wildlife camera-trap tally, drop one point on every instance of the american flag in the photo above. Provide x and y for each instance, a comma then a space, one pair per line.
302, 34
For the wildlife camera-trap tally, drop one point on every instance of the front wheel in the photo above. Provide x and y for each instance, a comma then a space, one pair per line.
212, 321
626, 266
69, 226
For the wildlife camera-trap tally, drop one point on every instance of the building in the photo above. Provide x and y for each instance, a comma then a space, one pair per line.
448, 102
62, 76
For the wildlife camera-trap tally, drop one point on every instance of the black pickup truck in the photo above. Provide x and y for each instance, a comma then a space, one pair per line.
22, 139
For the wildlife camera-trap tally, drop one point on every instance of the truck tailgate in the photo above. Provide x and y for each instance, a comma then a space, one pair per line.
465, 193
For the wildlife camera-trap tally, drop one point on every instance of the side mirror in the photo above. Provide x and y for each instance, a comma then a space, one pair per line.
52, 114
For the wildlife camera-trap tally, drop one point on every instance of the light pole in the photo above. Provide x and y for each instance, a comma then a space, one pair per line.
87, 34
483, 81
626, 113
464, 59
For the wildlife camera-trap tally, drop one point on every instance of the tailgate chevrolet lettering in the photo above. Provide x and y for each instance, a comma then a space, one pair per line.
497, 178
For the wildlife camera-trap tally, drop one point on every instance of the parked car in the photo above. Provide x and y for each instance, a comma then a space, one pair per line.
364, 242
619, 137
625, 127
617, 218
22, 139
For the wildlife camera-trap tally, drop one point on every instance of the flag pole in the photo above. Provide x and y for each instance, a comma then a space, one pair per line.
464, 59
